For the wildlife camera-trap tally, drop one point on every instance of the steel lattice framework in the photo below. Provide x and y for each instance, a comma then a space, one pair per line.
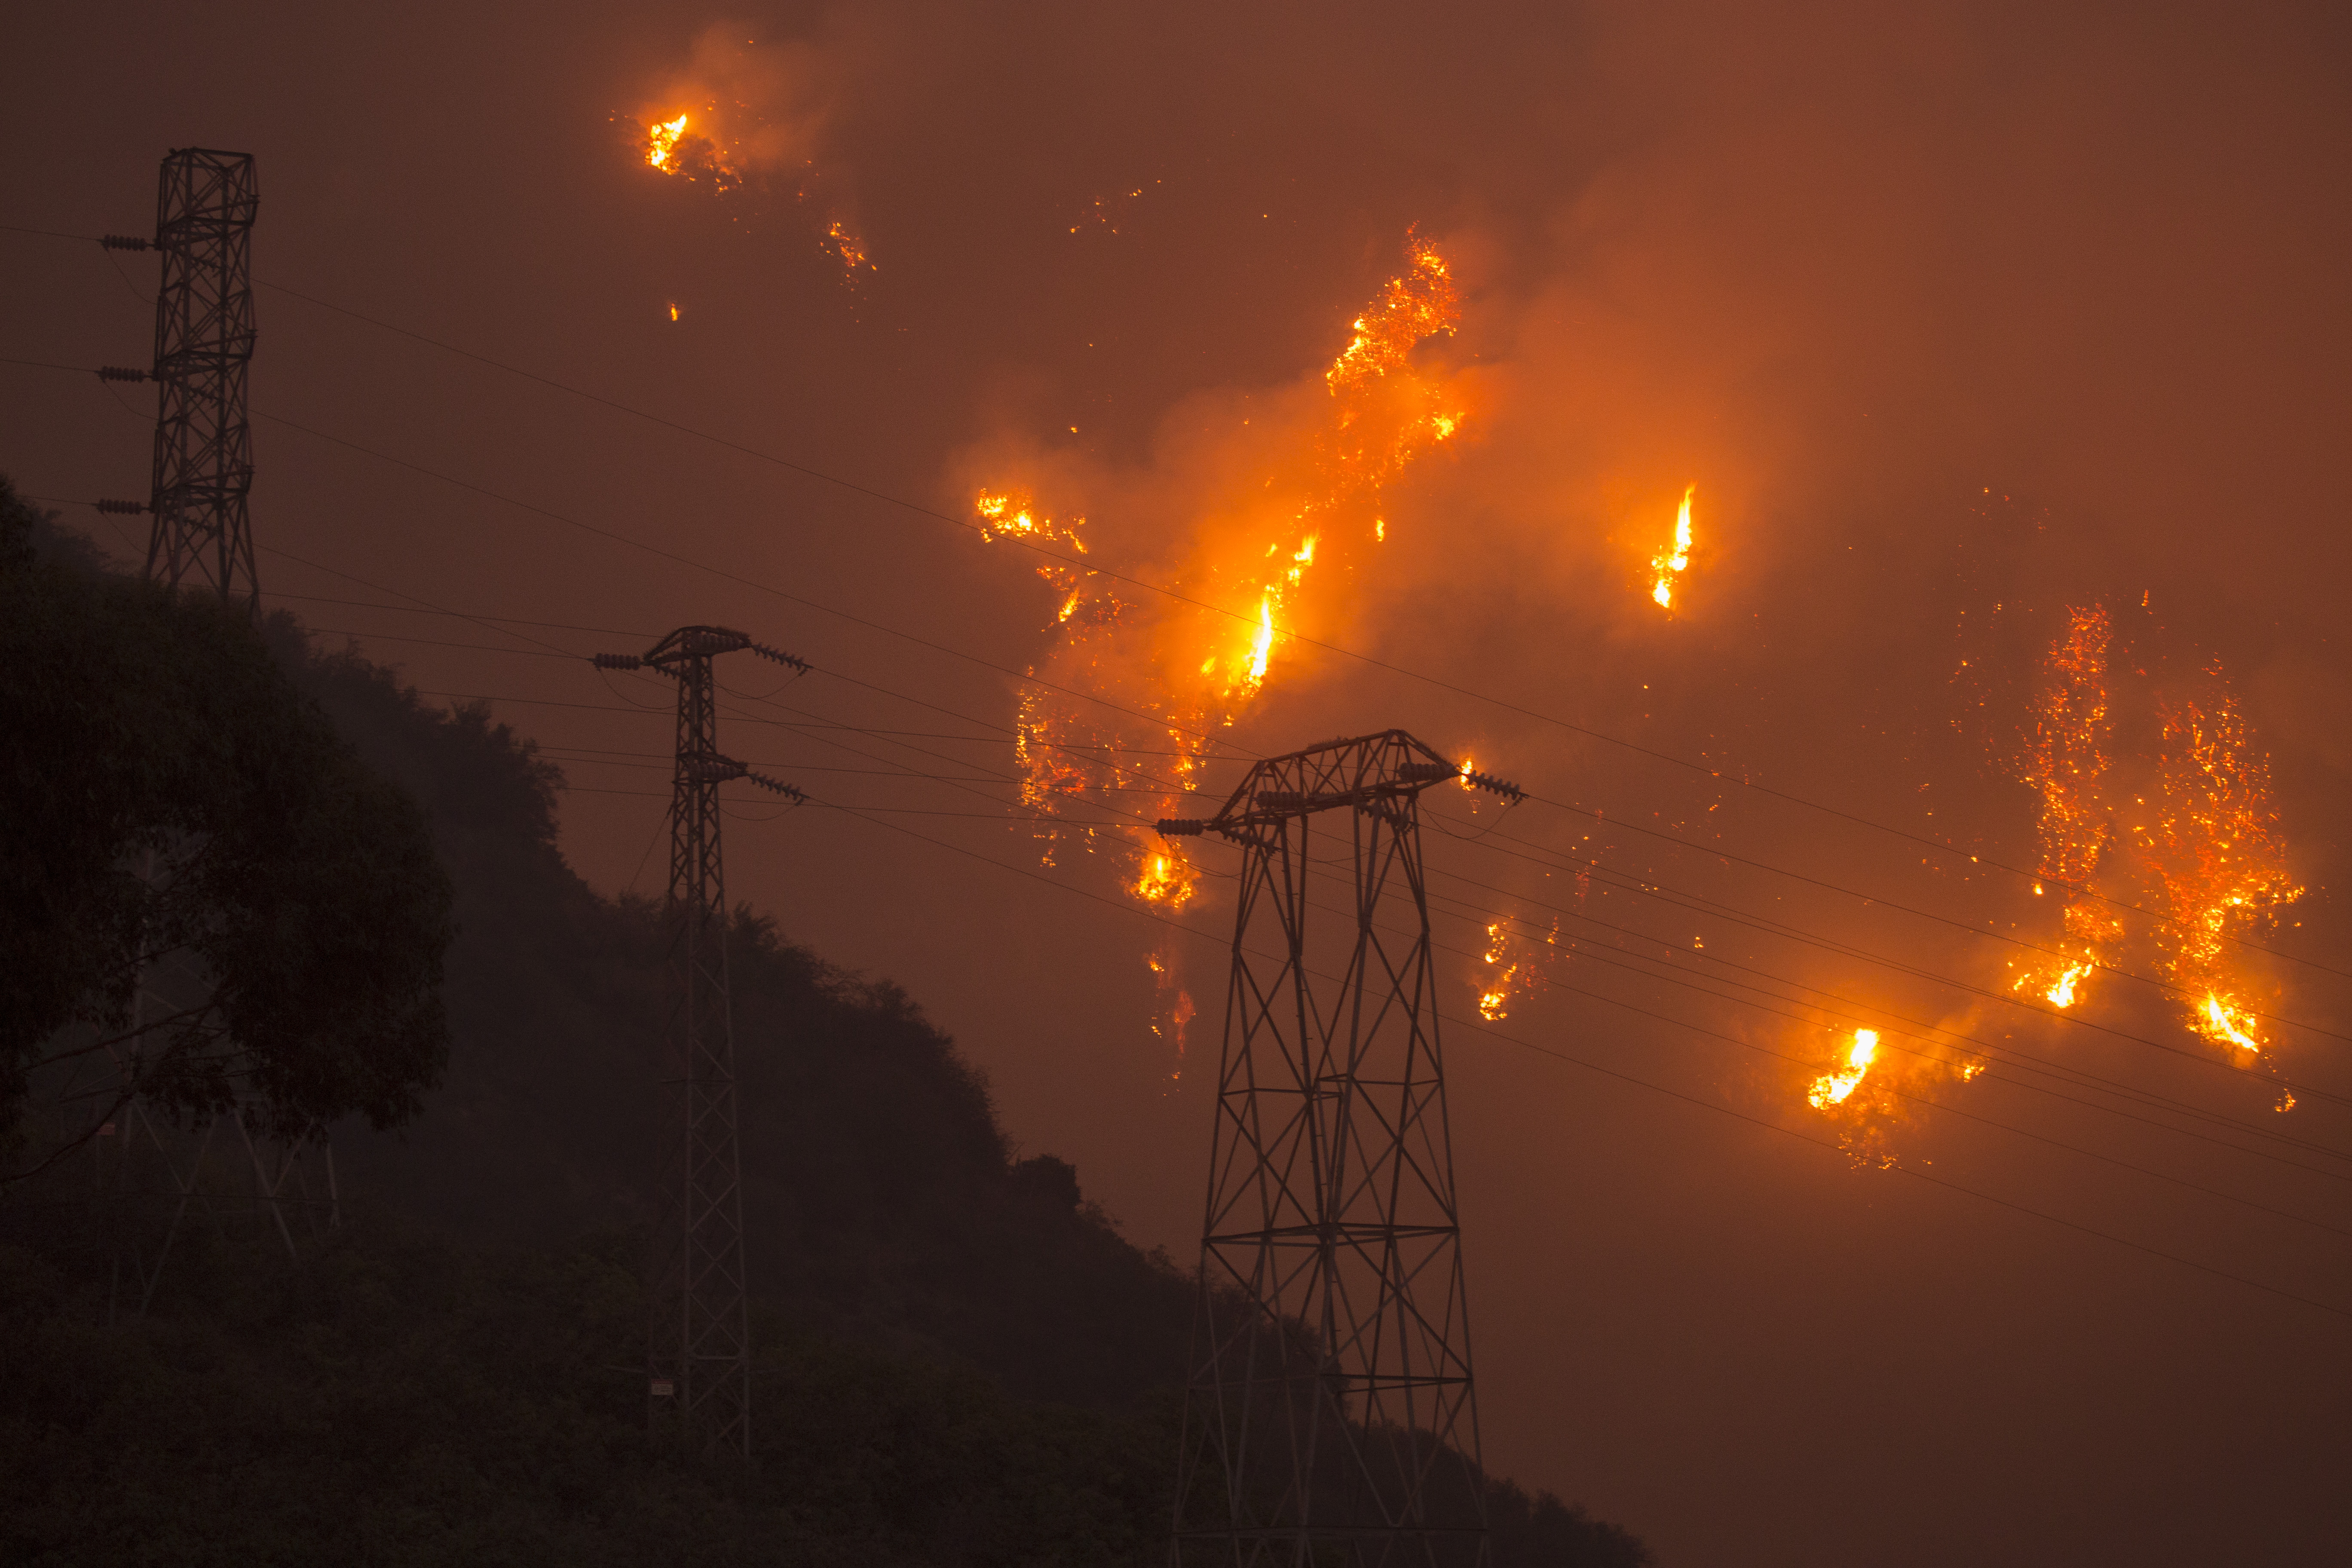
204, 343
698, 1346
205, 205
1331, 1415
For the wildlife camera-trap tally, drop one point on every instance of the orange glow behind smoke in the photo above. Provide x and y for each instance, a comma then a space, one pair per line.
1670, 564
2218, 857
1273, 539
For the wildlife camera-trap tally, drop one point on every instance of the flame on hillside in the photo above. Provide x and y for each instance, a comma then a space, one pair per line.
2064, 763
1264, 551
744, 119
2219, 860
1669, 564
1268, 545
1834, 1088
1516, 964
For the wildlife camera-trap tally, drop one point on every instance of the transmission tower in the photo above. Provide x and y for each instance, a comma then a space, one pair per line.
153, 1176
698, 1342
203, 342
1331, 1415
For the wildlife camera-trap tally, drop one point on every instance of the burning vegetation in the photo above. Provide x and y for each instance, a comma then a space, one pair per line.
2219, 858
1267, 551
1517, 965
2202, 867
1668, 565
744, 119
2064, 761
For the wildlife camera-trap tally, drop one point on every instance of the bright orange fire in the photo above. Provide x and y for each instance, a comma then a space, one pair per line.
1276, 543
675, 149
2219, 859
752, 170
2064, 761
1670, 564
1516, 966
661, 141
1165, 878
1833, 1087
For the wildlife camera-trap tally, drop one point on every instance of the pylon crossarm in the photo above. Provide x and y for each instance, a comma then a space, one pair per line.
777, 656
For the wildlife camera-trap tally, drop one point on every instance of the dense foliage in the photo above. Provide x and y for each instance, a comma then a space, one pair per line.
175, 811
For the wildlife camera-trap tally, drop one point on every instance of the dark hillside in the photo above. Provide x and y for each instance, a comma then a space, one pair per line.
961, 1360
877, 1188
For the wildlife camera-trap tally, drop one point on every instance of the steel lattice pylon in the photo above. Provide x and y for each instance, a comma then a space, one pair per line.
698, 1345
204, 343
1331, 1415
205, 205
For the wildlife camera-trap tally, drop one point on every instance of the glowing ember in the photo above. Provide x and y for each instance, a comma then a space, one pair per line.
1670, 564
846, 247
1516, 966
1831, 1088
1278, 537
2218, 857
1175, 1010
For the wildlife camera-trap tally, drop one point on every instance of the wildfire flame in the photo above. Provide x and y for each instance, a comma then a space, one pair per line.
1165, 878
1313, 502
2063, 763
755, 168
661, 141
2219, 859
1833, 1087
1517, 967
1670, 564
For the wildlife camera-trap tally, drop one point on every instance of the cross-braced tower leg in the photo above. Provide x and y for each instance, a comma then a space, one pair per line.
1330, 1414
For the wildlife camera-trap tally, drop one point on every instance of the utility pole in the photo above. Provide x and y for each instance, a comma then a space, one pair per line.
1331, 1415
699, 1336
205, 205
204, 343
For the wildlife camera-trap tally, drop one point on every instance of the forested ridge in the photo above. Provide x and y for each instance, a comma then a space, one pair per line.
959, 1359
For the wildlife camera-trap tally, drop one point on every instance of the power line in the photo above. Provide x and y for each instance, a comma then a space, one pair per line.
1249, 618
1874, 1013
1793, 933
1132, 712
1484, 1031
622, 539
1651, 887
1992, 995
